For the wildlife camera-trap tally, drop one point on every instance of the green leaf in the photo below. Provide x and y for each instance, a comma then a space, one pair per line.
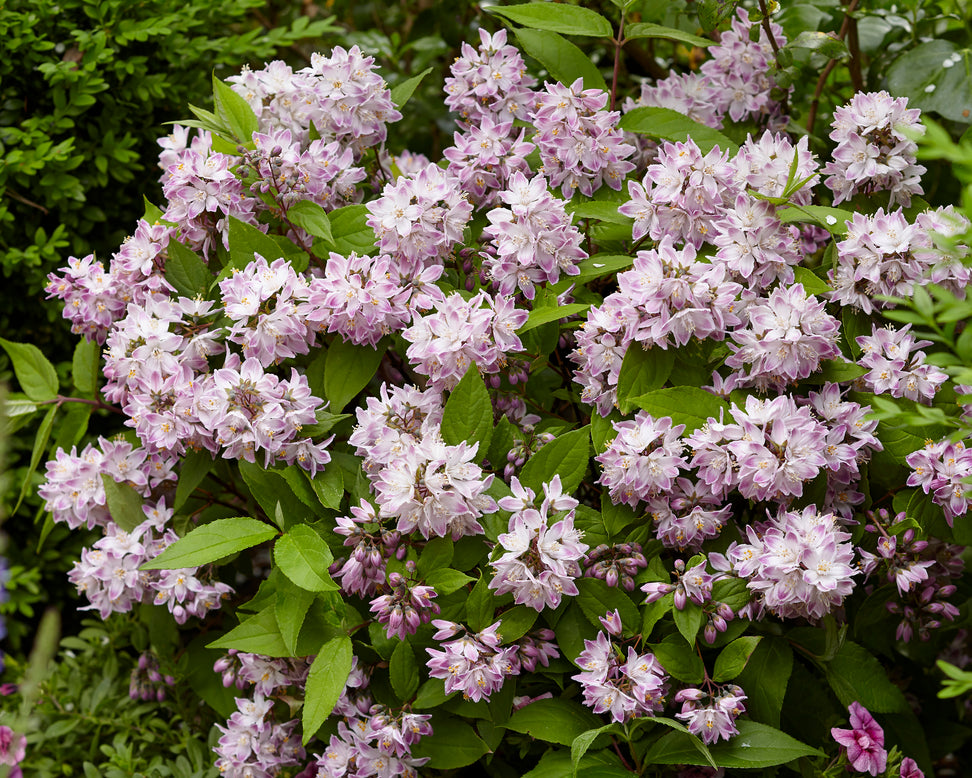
37, 452
688, 620
597, 599
565, 456
290, 608
85, 366
592, 268
562, 59
812, 283
679, 659
898, 442
235, 112
480, 605
734, 657
303, 556
516, 622
400, 93
839, 371
556, 17
452, 744
348, 370
329, 486
186, 272
834, 220
259, 634
35, 373
311, 217
712, 13
686, 405
642, 370
553, 720
602, 210
468, 413
765, 678
447, 581
757, 745
299, 482
349, 227
666, 124
72, 425
124, 505
824, 43
437, 555
856, 675
584, 741
212, 542
922, 76
325, 682
193, 470
273, 493
431, 694
539, 316
648, 30
245, 241
403, 671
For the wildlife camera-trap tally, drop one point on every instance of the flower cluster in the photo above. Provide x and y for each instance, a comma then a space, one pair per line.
643, 460
864, 741
875, 135
532, 241
541, 561
363, 572
147, 681
940, 469
896, 366
406, 606
623, 687
485, 157
618, 564
711, 714
253, 744
475, 663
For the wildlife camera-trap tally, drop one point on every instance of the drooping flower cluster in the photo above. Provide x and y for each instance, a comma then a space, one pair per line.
896, 365
875, 135
460, 333
798, 562
363, 572
624, 687
406, 606
253, 744
618, 564
580, 145
394, 421
688, 514
474, 663
147, 682
712, 714
490, 82
694, 585
485, 157
541, 561
940, 469
643, 460
532, 241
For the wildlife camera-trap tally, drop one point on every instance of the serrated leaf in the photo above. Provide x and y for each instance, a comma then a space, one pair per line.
556, 17
193, 470
125, 506
642, 371
468, 413
329, 486
686, 405
811, 282
539, 316
824, 43
757, 745
348, 369
666, 124
85, 366
290, 609
562, 59
403, 671
350, 230
401, 93
648, 30
856, 675
234, 112
765, 679
186, 272
447, 581
592, 268
605, 211
325, 681
516, 622
453, 744
35, 373
688, 620
37, 452
311, 217
480, 605
584, 741
596, 599
712, 13
834, 220
212, 542
304, 557
921, 75
734, 657
566, 456
553, 720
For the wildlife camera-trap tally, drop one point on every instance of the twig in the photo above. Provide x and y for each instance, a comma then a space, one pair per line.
61, 399
768, 29
618, 43
21, 199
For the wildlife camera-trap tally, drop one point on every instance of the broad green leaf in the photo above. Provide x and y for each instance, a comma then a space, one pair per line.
757, 745
152, 213
431, 694
930, 84
403, 671
85, 366
350, 230
348, 370
400, 93
325, 682
597, 599
37, 452
688, 620
642, 370
666, 124
539, 316
733, 658
468, 413
565, 456
35, 373
447, 581
453, 744
125, 507
584, 741
898, 442
686, 405
594, 267
679, 659
271, 490
553, 720
839, 371
812, 283
186, 272
72, 425
437, 555
259, 634
311, 217
290, 608
824, 43
303, 556
245, 241
212, 542
299, 483
834, 220
480, 605
193, 470
562, 59
235, 112
602, 210
21, 406
329, 486
556, 17
765, 678
856, 675
648, 30
516, 622
712, 13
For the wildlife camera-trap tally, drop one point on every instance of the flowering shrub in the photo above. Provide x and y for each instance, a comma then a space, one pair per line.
594, 449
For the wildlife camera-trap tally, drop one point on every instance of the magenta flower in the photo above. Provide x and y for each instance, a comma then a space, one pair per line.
864, 741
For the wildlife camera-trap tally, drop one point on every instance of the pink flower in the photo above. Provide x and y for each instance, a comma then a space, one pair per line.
13, 747
864, 741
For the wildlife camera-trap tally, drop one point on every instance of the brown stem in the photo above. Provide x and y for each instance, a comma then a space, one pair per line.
61, 399
21, 199
768, 29
618, 43
814, 105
